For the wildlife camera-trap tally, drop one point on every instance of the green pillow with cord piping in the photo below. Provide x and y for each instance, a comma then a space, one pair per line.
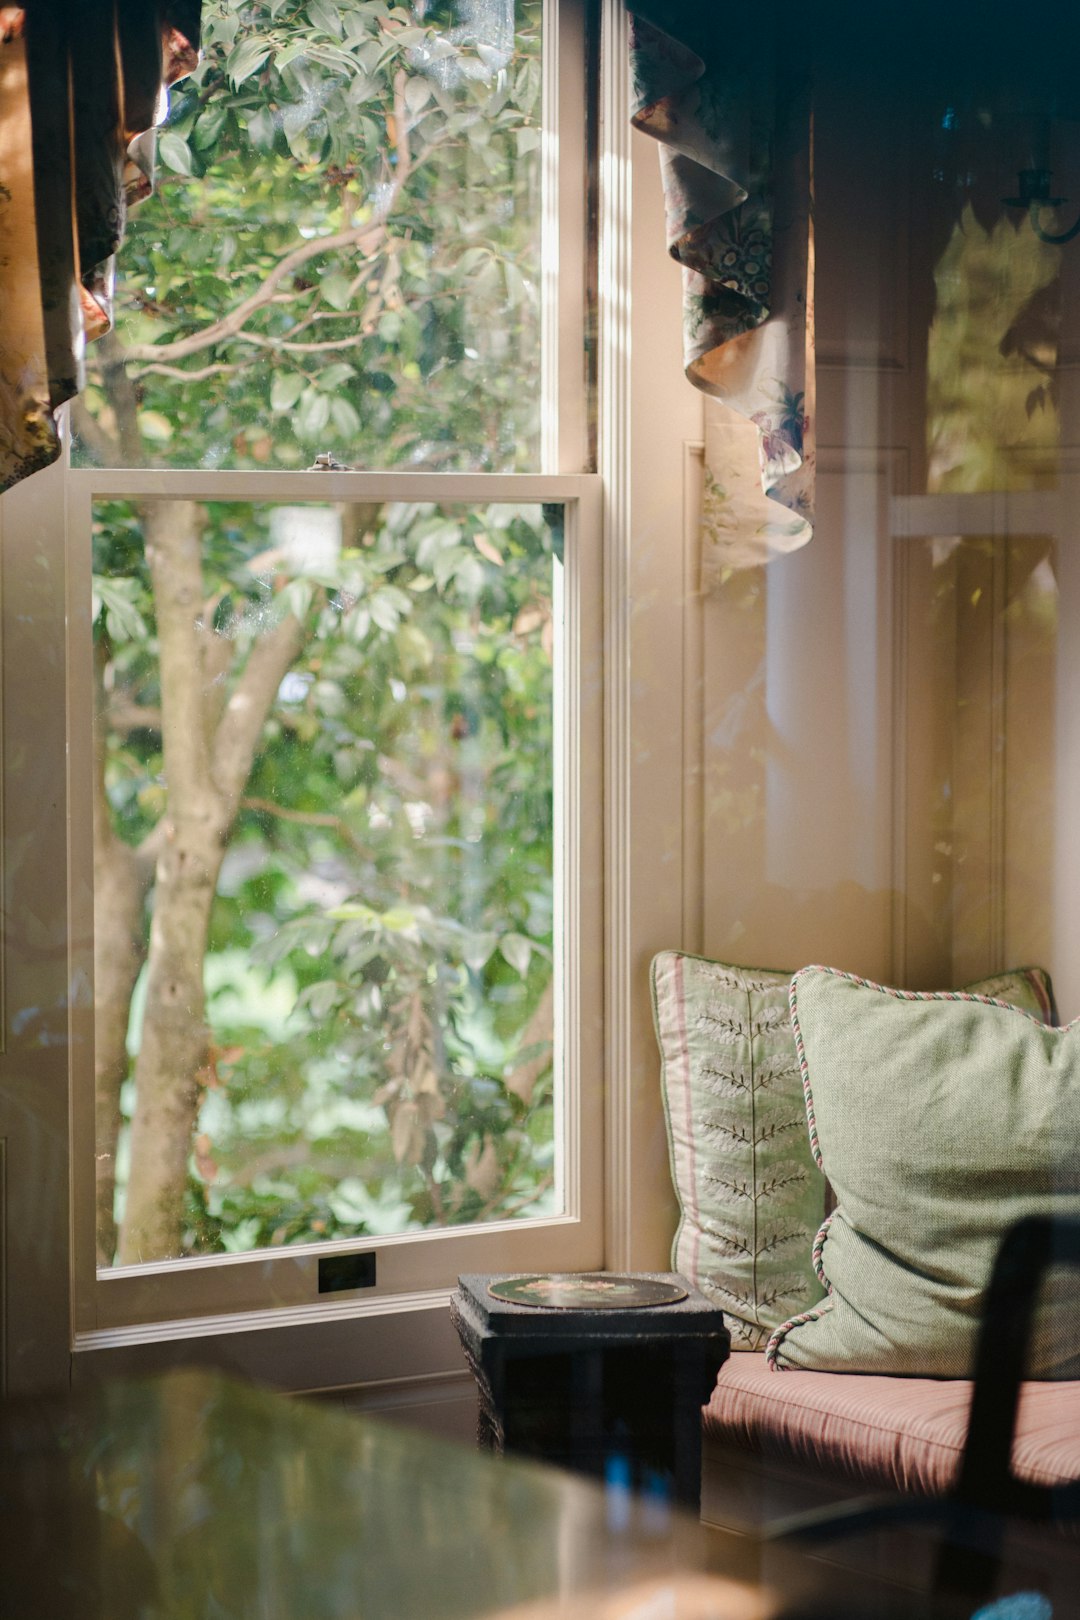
751, 1196
940, 1118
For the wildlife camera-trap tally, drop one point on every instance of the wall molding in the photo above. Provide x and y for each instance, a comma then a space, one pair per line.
615, 467
892, 465
4, 905
693, 702
4, 1268
258, 1321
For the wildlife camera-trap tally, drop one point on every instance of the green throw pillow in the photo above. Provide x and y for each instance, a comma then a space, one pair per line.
750, 1194
940, 1119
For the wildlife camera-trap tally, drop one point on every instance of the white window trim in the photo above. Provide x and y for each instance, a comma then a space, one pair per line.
127, 1299
645, 757
629, 873
615, 466
270, 1296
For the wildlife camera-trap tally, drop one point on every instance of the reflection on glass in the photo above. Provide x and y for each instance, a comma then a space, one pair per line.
991, 599
892, 761
343, 249
992, 394
323, 871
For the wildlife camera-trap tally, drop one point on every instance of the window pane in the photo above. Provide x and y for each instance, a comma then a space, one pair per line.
893, 749
342, 254
323, 871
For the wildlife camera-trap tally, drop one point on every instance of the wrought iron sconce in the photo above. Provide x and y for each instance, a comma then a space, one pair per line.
1034, 189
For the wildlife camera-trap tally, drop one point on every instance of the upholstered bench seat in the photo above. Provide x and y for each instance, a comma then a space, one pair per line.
882, 1433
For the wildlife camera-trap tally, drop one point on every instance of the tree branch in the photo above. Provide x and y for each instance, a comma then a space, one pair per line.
216, 654
126, 717
219, 368
307, 818
174, 556
492, 1205
240, 727
287, 1157
122, 397
103, 446
283, 345
232, 324
401, 129
148, 852
539, 1031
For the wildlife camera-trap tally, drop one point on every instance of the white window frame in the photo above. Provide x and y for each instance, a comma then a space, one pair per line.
124, 1297
642, 778
259, 1309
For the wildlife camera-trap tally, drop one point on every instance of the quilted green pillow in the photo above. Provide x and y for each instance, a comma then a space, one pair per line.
751, 1196
940, 1119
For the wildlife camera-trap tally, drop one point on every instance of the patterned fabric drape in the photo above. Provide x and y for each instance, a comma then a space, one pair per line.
735, 153
79, 87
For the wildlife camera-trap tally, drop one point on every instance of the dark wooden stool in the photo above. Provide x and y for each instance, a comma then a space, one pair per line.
614, 1393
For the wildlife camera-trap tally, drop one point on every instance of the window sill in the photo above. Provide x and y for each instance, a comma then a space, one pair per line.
340, 1344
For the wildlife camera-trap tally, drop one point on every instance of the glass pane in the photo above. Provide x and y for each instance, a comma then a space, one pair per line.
342, 254
323, 871
893, 750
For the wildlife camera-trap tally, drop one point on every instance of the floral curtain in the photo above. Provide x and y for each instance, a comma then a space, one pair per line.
79, 86
735, 154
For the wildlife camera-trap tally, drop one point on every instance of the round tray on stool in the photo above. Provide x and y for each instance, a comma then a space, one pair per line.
610, 1390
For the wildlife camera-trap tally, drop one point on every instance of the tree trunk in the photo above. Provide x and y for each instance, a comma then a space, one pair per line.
119, 954
205, 775
173, 1048
121, 880
121, 874
173, 1045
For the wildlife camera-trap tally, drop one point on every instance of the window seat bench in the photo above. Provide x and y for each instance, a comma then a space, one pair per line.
780, 1445
882, 1433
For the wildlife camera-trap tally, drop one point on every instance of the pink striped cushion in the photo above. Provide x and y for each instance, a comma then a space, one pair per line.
884, 1433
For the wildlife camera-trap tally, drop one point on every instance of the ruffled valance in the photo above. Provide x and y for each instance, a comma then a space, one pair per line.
735, 154
79, 86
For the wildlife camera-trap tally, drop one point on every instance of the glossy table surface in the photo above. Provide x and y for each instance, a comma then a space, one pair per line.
193, 1498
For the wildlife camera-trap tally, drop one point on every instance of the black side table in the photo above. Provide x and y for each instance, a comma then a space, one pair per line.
615, 1393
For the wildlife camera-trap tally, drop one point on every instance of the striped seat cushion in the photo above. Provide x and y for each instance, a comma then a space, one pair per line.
884, 1433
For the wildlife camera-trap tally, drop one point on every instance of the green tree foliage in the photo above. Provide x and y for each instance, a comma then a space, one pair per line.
992, 408
324, 826
343, 250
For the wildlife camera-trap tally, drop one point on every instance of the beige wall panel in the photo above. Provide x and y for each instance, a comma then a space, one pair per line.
1061, 840
798, 768
924, 750
33, 938
1062, 843
978, 761
987, 637
666, 411
861, 208
1028, 725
